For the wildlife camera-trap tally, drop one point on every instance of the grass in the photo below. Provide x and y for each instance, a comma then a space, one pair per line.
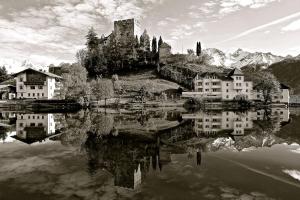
148, 79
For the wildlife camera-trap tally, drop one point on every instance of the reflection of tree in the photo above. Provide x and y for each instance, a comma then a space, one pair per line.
75, 128
102, 124
121, 155
3, 133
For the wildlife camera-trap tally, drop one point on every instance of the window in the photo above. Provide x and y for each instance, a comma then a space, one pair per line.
21, 116
21, 79
21, 124
33, 117
227, 84
32, 87
42, 94
29, 94
42, 117
21, 87
40, 87
206, 90
206, 83
207, 120
21, 94
246, 84
38, 94
40, 124
33, 94
38, 117
227, 90
32, 124
227, 96
199, 83
28, 116
247, 90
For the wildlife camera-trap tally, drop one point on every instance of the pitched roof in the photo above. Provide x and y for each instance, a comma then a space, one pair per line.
282, 86
235, 72
219, 75
42, 72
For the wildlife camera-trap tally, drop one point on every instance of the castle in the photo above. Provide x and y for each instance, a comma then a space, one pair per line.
124, 34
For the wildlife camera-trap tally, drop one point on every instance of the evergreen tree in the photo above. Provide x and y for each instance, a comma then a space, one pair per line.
94, 59
3, 74
154, 45
136, 42
198, 49
160, 41
92, 40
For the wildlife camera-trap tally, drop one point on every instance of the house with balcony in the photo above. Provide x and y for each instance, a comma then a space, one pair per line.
31, 128
220, 86
36, 84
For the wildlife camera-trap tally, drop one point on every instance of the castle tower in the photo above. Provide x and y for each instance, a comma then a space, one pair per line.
125, 32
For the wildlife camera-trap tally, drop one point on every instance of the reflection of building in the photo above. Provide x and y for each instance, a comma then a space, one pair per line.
34, 84
235, 123
31, 128
215, 122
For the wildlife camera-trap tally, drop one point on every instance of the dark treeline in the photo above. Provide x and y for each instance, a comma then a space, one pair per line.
118, 54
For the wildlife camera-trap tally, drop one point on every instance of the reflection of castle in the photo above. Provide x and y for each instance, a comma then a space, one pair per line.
127, 158
234, 123
31, 128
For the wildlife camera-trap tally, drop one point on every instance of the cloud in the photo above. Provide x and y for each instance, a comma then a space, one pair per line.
261, 27
293, 173
56, 29
294, 26
226, 7
167, 21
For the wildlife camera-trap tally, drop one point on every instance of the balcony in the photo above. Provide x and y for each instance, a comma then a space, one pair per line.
34, 83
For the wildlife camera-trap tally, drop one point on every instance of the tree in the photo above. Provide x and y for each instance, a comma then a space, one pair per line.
81, 56
266, 83
3, 74
154, 46
190, 52
160, 42
95, 61
198, 49
102, 88
74, 82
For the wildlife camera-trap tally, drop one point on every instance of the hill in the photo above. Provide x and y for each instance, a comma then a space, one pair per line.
287, 71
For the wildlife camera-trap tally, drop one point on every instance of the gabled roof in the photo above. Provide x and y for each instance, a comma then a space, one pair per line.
282, 86
219, 75
235, 72
42, 72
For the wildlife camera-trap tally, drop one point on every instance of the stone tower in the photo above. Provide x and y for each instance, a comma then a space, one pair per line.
125, 32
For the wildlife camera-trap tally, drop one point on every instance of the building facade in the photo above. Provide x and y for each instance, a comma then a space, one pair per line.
35, 84
225, 87
231, 86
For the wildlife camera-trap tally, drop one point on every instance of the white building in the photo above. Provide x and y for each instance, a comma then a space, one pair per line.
231, 86
32, 128
35, 84
225, 87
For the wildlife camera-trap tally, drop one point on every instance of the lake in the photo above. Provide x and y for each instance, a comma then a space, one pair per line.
153, 154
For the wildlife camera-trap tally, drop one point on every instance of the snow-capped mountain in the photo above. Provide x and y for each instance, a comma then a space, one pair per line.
13, 66
240, 58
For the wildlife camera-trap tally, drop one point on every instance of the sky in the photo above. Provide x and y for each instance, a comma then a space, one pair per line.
52, 31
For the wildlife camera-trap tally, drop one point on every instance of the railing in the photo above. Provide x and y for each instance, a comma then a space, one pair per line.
34, 83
